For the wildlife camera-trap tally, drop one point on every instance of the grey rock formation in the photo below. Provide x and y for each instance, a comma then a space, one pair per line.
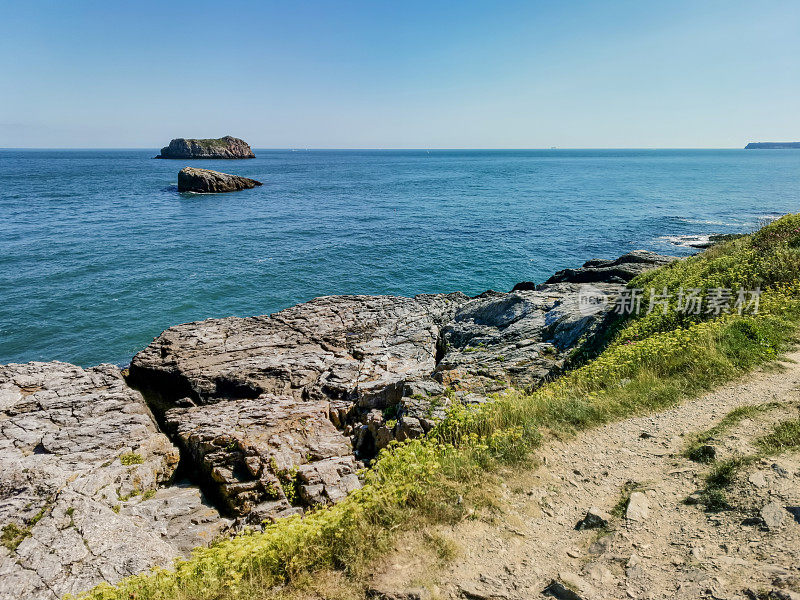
378, 368
268, 455
204, 181
227, 147
621, 270
516, 339
340, 348
79, 453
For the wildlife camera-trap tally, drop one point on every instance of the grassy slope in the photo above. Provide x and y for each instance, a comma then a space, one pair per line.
652, 362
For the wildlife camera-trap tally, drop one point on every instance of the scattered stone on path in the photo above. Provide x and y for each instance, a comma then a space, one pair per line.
376, 593
758, 479
594, 518
557, 589
638, 507
773, 515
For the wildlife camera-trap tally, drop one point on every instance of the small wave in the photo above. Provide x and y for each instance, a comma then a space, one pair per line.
769, 217
734, 223
688, 241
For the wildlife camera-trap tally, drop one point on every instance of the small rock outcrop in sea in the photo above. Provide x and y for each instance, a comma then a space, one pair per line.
772, 146
82, 461
272, 415
227, 147
204, 181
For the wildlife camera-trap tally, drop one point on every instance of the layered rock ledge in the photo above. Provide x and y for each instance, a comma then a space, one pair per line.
205, 181
227, 147
270, 415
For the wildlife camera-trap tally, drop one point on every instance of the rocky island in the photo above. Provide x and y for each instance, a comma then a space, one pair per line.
227, 147
772, 146
205, 181
229, 423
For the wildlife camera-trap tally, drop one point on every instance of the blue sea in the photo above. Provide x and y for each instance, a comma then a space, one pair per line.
99, 252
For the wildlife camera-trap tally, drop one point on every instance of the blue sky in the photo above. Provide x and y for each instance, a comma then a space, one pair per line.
404, 74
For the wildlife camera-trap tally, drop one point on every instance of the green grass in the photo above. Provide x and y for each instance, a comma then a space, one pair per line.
650, 362
783, 438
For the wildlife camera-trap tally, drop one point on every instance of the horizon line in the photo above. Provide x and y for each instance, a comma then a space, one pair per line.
390, 149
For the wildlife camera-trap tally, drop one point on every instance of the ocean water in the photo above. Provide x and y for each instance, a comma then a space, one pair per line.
99, 252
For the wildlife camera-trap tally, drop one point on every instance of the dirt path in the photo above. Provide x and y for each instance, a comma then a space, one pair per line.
672, 550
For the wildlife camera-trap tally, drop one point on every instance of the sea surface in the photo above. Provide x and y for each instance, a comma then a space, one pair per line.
99, 252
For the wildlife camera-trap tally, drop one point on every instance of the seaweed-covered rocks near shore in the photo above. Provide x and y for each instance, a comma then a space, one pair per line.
227, 147
205, 181
272, 415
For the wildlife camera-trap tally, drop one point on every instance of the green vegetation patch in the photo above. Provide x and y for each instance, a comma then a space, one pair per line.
14, 533
131, 458
784, 437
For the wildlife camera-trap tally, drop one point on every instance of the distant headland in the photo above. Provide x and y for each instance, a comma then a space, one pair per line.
772, 145
227, 147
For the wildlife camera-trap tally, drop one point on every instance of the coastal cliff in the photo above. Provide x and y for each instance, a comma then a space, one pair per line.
772, 146
227, 147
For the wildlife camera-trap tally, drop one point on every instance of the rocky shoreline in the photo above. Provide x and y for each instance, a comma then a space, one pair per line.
266, 416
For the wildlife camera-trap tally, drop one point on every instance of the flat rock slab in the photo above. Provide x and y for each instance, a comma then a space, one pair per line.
77, 447
351, 348
638, 507
205, 181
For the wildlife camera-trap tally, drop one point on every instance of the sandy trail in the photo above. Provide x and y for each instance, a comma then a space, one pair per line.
676, 551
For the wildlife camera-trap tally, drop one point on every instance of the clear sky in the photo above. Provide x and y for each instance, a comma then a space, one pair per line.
406, 74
